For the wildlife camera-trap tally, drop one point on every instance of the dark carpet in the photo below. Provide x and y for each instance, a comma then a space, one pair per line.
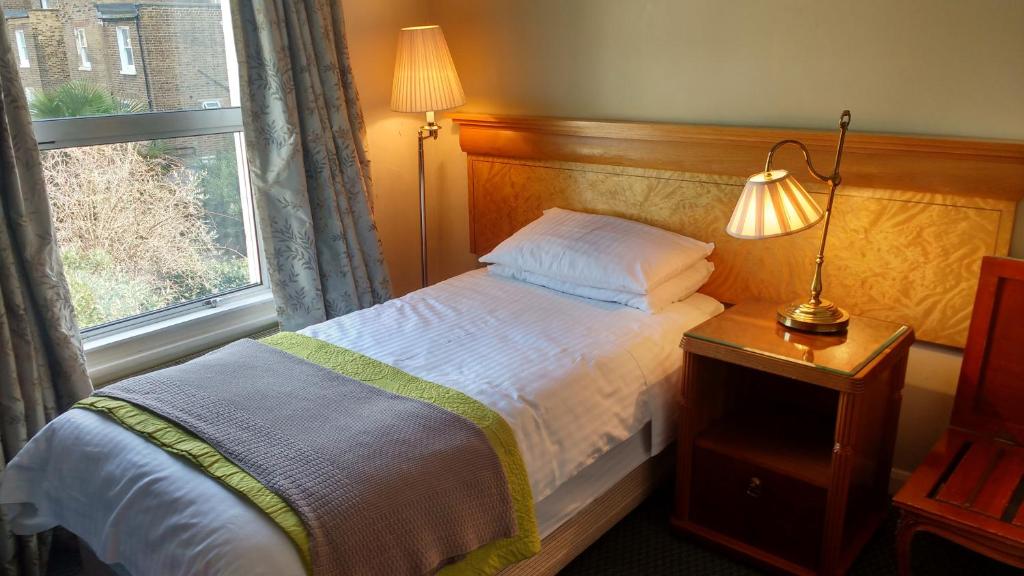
643, 544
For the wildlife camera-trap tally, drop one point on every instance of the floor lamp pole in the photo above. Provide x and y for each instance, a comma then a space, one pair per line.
425, 81
429, 130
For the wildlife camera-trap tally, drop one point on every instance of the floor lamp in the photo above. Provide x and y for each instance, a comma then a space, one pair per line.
425, 81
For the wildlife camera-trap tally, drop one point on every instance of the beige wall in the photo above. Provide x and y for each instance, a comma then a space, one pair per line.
372, 30
937, 67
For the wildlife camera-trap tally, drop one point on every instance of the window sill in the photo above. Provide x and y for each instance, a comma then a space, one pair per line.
113, 356
85, 68
128, 72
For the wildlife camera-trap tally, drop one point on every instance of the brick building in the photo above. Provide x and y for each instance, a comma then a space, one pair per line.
162, 54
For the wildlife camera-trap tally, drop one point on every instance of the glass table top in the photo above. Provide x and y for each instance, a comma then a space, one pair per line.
752, 327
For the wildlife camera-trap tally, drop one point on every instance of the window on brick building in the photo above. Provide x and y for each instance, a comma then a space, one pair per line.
19, 40
125, 50
149, 189
82, 45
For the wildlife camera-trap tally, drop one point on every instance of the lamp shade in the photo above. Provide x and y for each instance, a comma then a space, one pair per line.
425, 76
772, 204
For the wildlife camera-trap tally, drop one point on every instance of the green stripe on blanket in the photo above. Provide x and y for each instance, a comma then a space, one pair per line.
177, 440
487, 559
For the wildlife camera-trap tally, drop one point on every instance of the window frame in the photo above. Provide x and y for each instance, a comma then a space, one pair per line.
115, 355
56, 133
130, 345
125, 51
113, 350
22, 44
76, 132
82, 47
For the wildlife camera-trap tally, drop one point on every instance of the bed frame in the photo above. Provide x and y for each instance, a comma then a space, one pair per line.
586, 526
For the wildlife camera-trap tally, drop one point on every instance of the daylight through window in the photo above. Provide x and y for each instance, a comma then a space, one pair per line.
147, 178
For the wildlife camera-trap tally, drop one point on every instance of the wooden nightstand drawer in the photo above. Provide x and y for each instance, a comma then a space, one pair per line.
775, 512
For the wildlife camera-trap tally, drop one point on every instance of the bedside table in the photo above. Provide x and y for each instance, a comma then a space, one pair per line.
786, 438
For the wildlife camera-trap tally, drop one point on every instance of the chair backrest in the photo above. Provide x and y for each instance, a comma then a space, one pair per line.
990, 394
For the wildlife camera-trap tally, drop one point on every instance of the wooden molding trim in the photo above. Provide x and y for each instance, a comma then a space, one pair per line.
958, 166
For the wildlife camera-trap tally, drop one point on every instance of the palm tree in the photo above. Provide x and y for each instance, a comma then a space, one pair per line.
79, 98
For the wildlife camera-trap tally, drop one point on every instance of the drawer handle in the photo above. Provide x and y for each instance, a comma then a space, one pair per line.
754, 487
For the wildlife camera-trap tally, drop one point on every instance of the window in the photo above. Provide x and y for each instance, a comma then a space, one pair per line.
210, 104
19, 39
44, 4
150, 196
124, 49
82, 45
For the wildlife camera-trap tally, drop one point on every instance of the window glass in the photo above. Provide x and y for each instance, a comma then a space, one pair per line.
147, 225
19, 39
124, 47
163, 55
135, 111
82, 46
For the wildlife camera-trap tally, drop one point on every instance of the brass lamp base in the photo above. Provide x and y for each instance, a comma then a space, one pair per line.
823, 318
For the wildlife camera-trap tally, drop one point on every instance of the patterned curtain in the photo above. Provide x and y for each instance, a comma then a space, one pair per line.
42, 367
307, 152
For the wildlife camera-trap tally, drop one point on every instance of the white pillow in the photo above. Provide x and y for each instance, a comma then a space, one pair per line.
598, 251
681, 287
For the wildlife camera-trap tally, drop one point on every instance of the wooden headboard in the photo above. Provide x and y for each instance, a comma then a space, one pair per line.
912, 220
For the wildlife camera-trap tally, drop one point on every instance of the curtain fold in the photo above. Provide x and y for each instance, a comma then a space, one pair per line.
42, 365
310, 173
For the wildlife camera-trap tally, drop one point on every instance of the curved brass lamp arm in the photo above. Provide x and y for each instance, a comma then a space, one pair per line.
803, 149
844, 123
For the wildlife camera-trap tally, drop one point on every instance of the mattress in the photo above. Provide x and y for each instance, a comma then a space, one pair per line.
587, 387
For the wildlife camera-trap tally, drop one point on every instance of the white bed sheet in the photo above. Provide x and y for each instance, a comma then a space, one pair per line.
594, 480
573, 377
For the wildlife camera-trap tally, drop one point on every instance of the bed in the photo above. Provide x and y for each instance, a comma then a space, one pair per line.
588, 388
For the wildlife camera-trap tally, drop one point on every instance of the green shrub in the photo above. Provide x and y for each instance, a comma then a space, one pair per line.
228, 274
223, 205
140, 228
101, 293
79, 98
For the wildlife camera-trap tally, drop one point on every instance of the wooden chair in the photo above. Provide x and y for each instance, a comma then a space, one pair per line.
970, 487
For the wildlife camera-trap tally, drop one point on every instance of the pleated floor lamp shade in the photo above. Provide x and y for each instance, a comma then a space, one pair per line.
772, 204
425, 76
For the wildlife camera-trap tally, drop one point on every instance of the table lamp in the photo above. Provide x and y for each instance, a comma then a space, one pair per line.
773, 203
425, 81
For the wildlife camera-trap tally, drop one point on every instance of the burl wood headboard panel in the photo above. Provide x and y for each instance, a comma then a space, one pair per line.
912, 220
